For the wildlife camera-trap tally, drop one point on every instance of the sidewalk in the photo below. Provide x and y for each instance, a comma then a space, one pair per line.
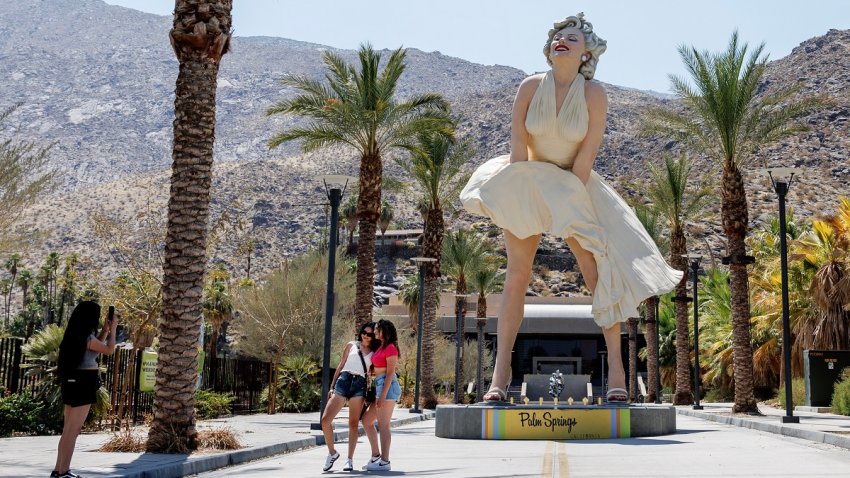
262, 436
818, 427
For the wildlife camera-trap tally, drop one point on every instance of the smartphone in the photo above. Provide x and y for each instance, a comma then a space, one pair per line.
110, 316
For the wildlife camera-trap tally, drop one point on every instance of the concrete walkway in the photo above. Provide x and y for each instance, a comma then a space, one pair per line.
268, 435
261, 435
817, 427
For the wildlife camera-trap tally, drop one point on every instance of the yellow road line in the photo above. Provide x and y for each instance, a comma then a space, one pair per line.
550, 470
548, 461
563, 463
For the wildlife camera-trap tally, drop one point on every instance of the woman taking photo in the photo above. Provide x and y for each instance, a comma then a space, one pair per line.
79, 374
350, 384
387, 392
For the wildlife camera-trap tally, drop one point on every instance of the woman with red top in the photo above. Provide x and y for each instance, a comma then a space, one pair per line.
387, 391
350, 384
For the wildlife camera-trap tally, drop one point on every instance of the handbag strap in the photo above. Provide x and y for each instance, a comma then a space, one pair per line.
362, 360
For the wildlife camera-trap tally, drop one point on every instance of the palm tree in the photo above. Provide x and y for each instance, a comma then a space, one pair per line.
217, 304
435, 167
359, 109
200, 36
726, 119
464, 252
408, 293
649, 218
349, 213
766, 296
825, 253
486, 279
386, 217
12, 265
675, 201
24, 282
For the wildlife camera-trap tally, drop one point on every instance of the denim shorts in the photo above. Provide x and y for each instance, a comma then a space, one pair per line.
394, 392
349, 385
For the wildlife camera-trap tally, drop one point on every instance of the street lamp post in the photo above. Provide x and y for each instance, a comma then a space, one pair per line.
695, 260
657, 370
460, 301
334, 187
422, 262
781, 179
602, 354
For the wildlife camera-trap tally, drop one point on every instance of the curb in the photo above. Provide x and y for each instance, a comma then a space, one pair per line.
777, 428
202, 464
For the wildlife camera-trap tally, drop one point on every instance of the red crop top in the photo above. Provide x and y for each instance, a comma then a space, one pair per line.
379, 357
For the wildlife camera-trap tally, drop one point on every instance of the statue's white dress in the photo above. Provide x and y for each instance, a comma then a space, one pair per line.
543, 195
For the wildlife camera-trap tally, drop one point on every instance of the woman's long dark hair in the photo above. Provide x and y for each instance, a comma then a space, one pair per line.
374, 344
83, 322
389, 334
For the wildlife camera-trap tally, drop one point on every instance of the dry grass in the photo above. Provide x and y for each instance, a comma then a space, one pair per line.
219, 439
125, 441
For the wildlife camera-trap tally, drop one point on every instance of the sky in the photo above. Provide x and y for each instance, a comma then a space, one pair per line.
643, 35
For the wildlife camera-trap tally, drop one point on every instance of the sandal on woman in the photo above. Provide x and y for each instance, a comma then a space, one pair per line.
498, 394
617, 395
495, 394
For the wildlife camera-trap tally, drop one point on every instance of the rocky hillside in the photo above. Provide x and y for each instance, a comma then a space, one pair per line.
104, 92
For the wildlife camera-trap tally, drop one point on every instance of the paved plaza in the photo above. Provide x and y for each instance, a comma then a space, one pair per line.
708, 443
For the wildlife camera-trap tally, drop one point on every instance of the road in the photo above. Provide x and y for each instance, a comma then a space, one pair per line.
699, 449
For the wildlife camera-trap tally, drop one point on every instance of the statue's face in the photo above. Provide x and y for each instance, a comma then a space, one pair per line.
567, 43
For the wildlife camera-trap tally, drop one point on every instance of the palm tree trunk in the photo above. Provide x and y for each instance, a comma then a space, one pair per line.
651, 349
460, 302
684, 395
200, 36
432, 245
481, 321
368, 211
735, 225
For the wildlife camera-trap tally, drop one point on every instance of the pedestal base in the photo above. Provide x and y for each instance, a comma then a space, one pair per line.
550, 422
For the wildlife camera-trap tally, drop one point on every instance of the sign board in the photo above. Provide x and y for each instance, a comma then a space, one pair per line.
147, 372
821, 369
555, 424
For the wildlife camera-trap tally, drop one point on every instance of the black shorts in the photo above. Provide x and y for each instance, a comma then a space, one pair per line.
80, 388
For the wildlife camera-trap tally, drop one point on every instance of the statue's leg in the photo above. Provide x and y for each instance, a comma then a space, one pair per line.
520, 258
587, 265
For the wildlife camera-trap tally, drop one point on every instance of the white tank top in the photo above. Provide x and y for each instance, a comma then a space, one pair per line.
353, 364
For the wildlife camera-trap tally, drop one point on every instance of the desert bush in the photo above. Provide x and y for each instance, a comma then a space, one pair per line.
798, 393
210, 404
298, 387
841, 394
219, 439
22, 413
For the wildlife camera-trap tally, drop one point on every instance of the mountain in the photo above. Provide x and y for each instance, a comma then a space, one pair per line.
98, 79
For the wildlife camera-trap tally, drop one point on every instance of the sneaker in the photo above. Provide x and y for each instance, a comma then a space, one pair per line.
329, 461
67, 474
372, 459
349, 465
379, 465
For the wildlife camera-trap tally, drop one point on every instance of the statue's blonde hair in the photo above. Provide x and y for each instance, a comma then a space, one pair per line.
592, 43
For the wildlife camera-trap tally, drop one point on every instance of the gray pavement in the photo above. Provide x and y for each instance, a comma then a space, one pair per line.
699, 449
261, 435
711, 442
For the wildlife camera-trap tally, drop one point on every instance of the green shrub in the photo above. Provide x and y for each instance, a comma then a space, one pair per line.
798, 393
22, 413
298, 388
719, 395
213, 405
841, 394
